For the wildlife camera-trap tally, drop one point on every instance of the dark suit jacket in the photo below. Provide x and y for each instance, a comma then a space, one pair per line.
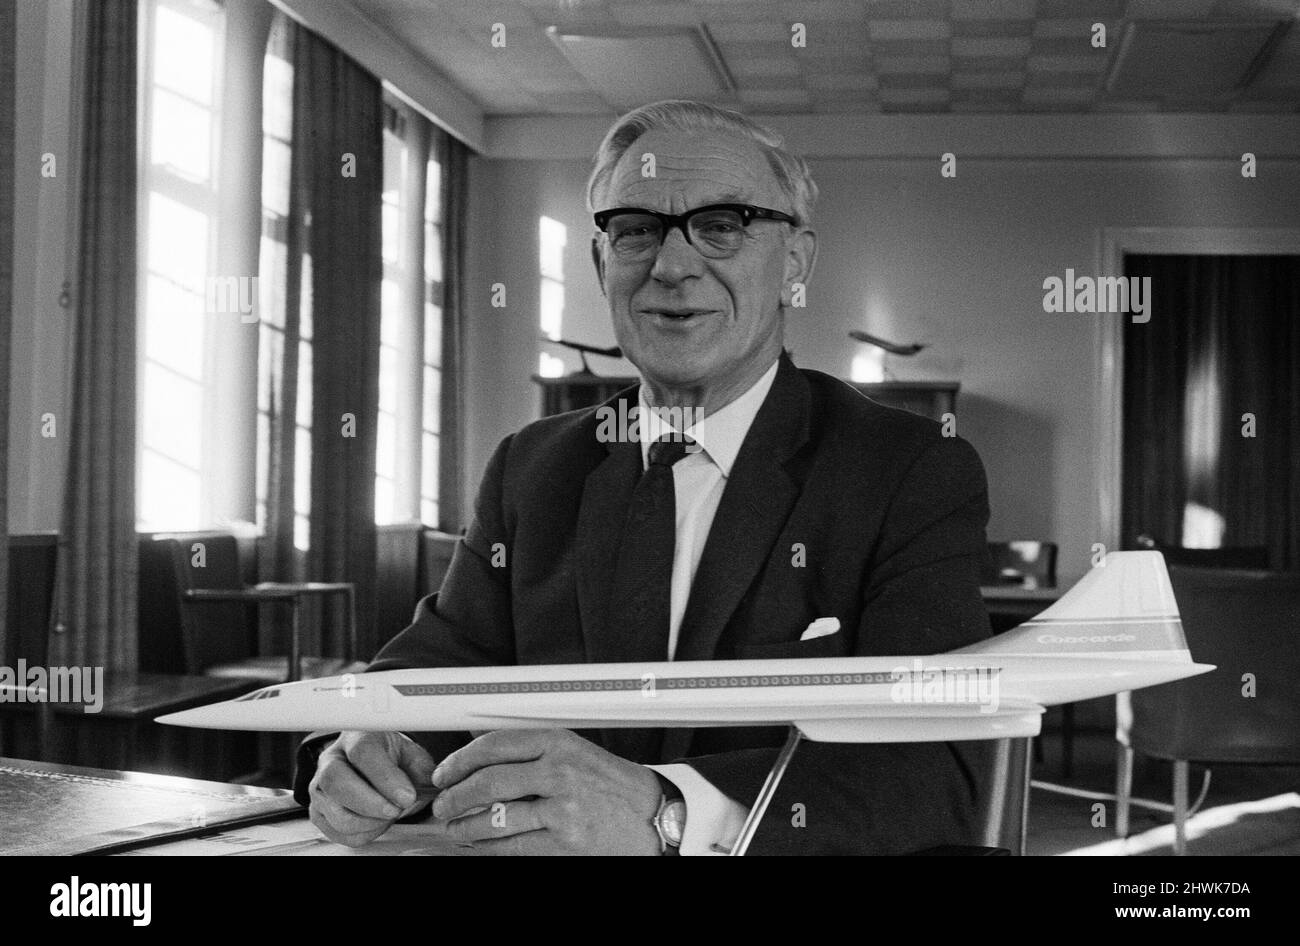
836, 506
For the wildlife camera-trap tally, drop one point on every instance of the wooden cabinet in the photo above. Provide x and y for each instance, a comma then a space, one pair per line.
579, 390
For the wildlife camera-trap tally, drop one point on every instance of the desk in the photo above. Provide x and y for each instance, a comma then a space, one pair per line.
123, 731
65, 809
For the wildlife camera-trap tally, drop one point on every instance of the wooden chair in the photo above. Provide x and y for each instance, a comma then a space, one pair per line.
215, 612
1244, 622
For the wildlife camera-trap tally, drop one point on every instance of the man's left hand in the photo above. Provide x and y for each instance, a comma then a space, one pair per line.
546, 792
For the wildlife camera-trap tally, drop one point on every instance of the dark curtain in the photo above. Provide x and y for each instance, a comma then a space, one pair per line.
334, 277
8, 78
1223, 341
95, 619
454, 158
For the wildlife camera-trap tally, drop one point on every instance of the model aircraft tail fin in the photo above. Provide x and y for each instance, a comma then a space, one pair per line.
1122, 608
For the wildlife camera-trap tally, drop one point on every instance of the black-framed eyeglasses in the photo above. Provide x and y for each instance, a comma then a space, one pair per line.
716, 230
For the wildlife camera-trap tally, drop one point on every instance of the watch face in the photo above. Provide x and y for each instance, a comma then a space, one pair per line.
674, 821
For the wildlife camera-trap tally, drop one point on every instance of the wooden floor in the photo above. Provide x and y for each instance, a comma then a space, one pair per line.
1252, 810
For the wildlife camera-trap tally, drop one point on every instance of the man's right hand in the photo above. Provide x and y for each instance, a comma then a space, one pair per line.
364, 782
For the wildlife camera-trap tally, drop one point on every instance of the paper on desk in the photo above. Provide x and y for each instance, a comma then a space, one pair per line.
301, 838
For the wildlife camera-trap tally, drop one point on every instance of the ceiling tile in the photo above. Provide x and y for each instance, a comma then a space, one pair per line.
1092, 64
992, 9
987, 80
1011, 46
909, 29
1090, 9
930, 64
991, 28
1168, 9
842, 81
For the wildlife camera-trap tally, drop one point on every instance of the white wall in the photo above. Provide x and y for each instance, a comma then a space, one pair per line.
956, 263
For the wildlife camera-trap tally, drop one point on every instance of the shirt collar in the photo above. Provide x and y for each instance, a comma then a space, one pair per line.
720, 435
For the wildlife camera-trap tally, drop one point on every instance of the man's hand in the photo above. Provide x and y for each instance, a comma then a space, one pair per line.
364, 782
546, 792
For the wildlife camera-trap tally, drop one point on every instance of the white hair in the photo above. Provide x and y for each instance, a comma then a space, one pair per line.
790, 170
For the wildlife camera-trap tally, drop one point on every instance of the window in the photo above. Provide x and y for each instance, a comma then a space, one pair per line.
274, 269
431, 409
182, 42
551, 240
410, 356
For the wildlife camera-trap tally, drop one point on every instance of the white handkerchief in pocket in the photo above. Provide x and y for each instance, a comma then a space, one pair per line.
822, 627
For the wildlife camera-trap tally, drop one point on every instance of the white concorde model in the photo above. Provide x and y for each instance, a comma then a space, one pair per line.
1118, 629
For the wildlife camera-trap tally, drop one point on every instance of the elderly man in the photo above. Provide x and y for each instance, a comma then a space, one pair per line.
791, 499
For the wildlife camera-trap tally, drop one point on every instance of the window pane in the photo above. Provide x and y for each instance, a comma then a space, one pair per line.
178, 243
385, 493
183, 55
388, 379
277, 98
433, 192
432, 335
429, 469
305, 299
390, 299
386, 446
433, 254
169, 494
303, 415
174, 327
552, 307
270, 357
263, 465
181, 138
432, 399
302, 472
277, 158
173, 416
429, 512
552, 238
272, 270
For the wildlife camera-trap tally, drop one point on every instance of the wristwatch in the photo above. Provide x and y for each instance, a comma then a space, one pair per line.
670, 824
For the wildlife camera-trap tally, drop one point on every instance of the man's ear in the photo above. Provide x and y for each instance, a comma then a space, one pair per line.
800, 256
600, 263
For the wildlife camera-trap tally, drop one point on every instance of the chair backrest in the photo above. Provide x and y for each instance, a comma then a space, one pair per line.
397, 578
1247, 623
1006, 805
210, 633
32, 562
436, 550
1021, 563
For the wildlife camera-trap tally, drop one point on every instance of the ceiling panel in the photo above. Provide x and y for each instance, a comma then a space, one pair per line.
861, 56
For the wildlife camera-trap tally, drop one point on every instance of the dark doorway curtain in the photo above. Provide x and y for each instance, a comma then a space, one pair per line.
332, 301
1212, 402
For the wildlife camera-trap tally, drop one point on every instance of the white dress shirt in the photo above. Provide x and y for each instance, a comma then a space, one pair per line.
712, 819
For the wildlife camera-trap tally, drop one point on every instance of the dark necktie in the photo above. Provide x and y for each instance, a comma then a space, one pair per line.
641, 591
